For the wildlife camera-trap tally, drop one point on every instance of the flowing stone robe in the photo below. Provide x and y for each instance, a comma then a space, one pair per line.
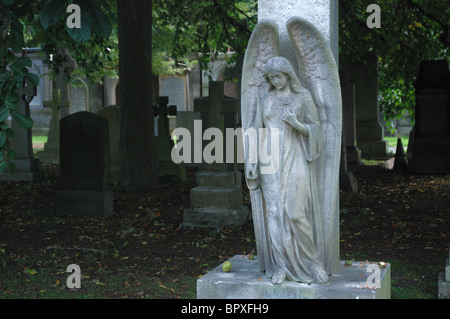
293, 237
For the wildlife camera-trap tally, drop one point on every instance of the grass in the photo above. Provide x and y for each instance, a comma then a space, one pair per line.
392, 141
39, 139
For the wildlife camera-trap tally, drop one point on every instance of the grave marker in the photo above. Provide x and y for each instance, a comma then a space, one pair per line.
27, 167
84, 167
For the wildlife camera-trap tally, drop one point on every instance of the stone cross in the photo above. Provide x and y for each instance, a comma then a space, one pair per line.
163, 142
61, 83
26, 166
51, 148
215, 105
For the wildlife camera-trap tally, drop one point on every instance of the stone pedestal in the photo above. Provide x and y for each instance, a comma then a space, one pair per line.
216, 202
444, 281
245, 281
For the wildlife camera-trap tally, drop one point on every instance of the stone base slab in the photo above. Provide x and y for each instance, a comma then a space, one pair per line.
84, 203
245, 281
443, 287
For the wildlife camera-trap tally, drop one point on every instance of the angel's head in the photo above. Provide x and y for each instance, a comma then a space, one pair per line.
279, 72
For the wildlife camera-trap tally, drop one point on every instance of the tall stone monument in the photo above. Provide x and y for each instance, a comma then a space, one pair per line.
26, 166
291, 91
431, 142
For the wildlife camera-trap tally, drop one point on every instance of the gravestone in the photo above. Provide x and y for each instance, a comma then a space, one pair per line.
175, 89
353, 153
112, 114
27, 167
431, 141
50, 153
217, 201
166, 167
84, 167
246, 280
444, 281
369, 131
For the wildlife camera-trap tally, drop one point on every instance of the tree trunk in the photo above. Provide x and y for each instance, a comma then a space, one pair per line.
138, 161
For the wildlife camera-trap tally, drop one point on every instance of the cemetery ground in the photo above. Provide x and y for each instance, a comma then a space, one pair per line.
140, 252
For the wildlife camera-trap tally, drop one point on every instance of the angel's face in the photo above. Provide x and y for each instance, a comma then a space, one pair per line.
278, 79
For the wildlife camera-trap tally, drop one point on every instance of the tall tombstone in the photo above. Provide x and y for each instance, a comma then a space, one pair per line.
369, 131
112, 114
217, 201
431, 142
323, 14
353, 153
166, 167
84, 167
27, 167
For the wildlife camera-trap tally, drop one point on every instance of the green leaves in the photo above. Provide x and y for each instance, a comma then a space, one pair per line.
52, 12
24, 122
92, 15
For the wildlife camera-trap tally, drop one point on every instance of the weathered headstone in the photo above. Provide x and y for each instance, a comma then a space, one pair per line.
369, 131
27, 167
431, 142
51, 148
112, 114
353, 153
166, 167
217, 201
84, 167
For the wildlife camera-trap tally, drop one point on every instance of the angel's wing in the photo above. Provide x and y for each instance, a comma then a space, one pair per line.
262, 46
318, 73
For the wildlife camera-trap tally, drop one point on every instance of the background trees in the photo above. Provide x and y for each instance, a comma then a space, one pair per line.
184, 30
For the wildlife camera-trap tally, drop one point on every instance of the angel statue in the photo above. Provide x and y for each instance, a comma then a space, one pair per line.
295, 207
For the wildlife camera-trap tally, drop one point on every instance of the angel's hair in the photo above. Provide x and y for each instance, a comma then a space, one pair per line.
280, 64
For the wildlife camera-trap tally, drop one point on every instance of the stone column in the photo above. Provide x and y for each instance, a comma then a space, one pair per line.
369, 131
323, 14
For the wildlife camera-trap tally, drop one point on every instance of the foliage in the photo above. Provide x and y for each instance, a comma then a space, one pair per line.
206, 27
411, 31
86, 44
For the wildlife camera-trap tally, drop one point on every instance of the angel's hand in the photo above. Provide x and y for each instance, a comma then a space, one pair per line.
289, 117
